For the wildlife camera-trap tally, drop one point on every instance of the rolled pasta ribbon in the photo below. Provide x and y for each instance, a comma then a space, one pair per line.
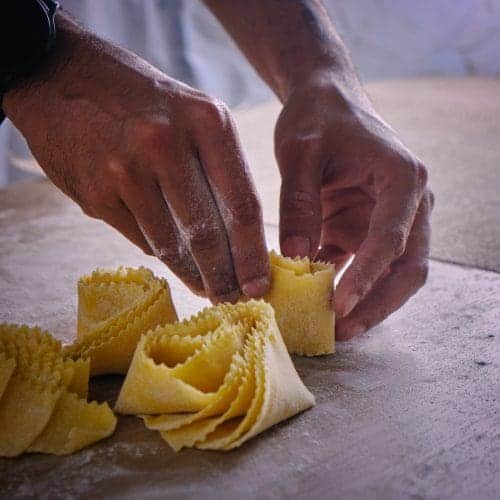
301, 294
114, 309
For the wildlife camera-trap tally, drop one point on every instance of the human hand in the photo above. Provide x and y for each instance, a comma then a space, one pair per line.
350, 187
152, 157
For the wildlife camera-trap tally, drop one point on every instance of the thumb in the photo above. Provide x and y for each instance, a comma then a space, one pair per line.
300, 208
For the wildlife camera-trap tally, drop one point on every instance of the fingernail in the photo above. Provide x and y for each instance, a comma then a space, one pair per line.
296, 246
256, 288
348, 305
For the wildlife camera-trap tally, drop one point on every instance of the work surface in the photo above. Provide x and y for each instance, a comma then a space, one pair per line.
405, 411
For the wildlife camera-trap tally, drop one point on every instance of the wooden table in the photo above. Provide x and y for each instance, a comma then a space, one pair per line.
405, 411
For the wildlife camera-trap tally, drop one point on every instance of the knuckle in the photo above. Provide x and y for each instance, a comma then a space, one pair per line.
204, 238
415, 272
419, 177
307, 145
121, 174
422, 175
246, 211
395, 239
409, 174
299, 204
213, 110
153, 135
415, 174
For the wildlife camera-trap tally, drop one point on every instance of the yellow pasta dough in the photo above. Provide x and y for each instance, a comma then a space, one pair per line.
114, 309
37, 390
301, 293
211, 382
73, 425
216, 380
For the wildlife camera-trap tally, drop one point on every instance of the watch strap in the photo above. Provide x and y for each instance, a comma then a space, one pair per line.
48, 10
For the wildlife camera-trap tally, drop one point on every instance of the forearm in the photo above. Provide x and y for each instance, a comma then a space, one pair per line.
287, 41
77, 67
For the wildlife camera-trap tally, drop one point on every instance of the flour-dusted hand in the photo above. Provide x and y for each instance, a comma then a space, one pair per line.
350, 187
152, 157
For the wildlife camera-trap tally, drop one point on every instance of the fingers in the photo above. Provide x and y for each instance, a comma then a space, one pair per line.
390, 223
300, 205
230, 182
333, 254
406, 276
116, 214
145, 201
195, 212
346, 213
346, 230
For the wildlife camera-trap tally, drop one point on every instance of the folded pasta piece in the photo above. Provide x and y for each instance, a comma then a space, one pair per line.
175, 370
301, 294
202, 431
114, 309
185, 429
33, 388
73, 425
216, 380
79, 374
34, 401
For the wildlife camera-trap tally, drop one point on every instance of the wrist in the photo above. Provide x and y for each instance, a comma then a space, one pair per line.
29, 89
328, 64
339, 83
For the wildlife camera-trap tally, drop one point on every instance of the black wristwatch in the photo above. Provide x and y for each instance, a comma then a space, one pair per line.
26, 38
